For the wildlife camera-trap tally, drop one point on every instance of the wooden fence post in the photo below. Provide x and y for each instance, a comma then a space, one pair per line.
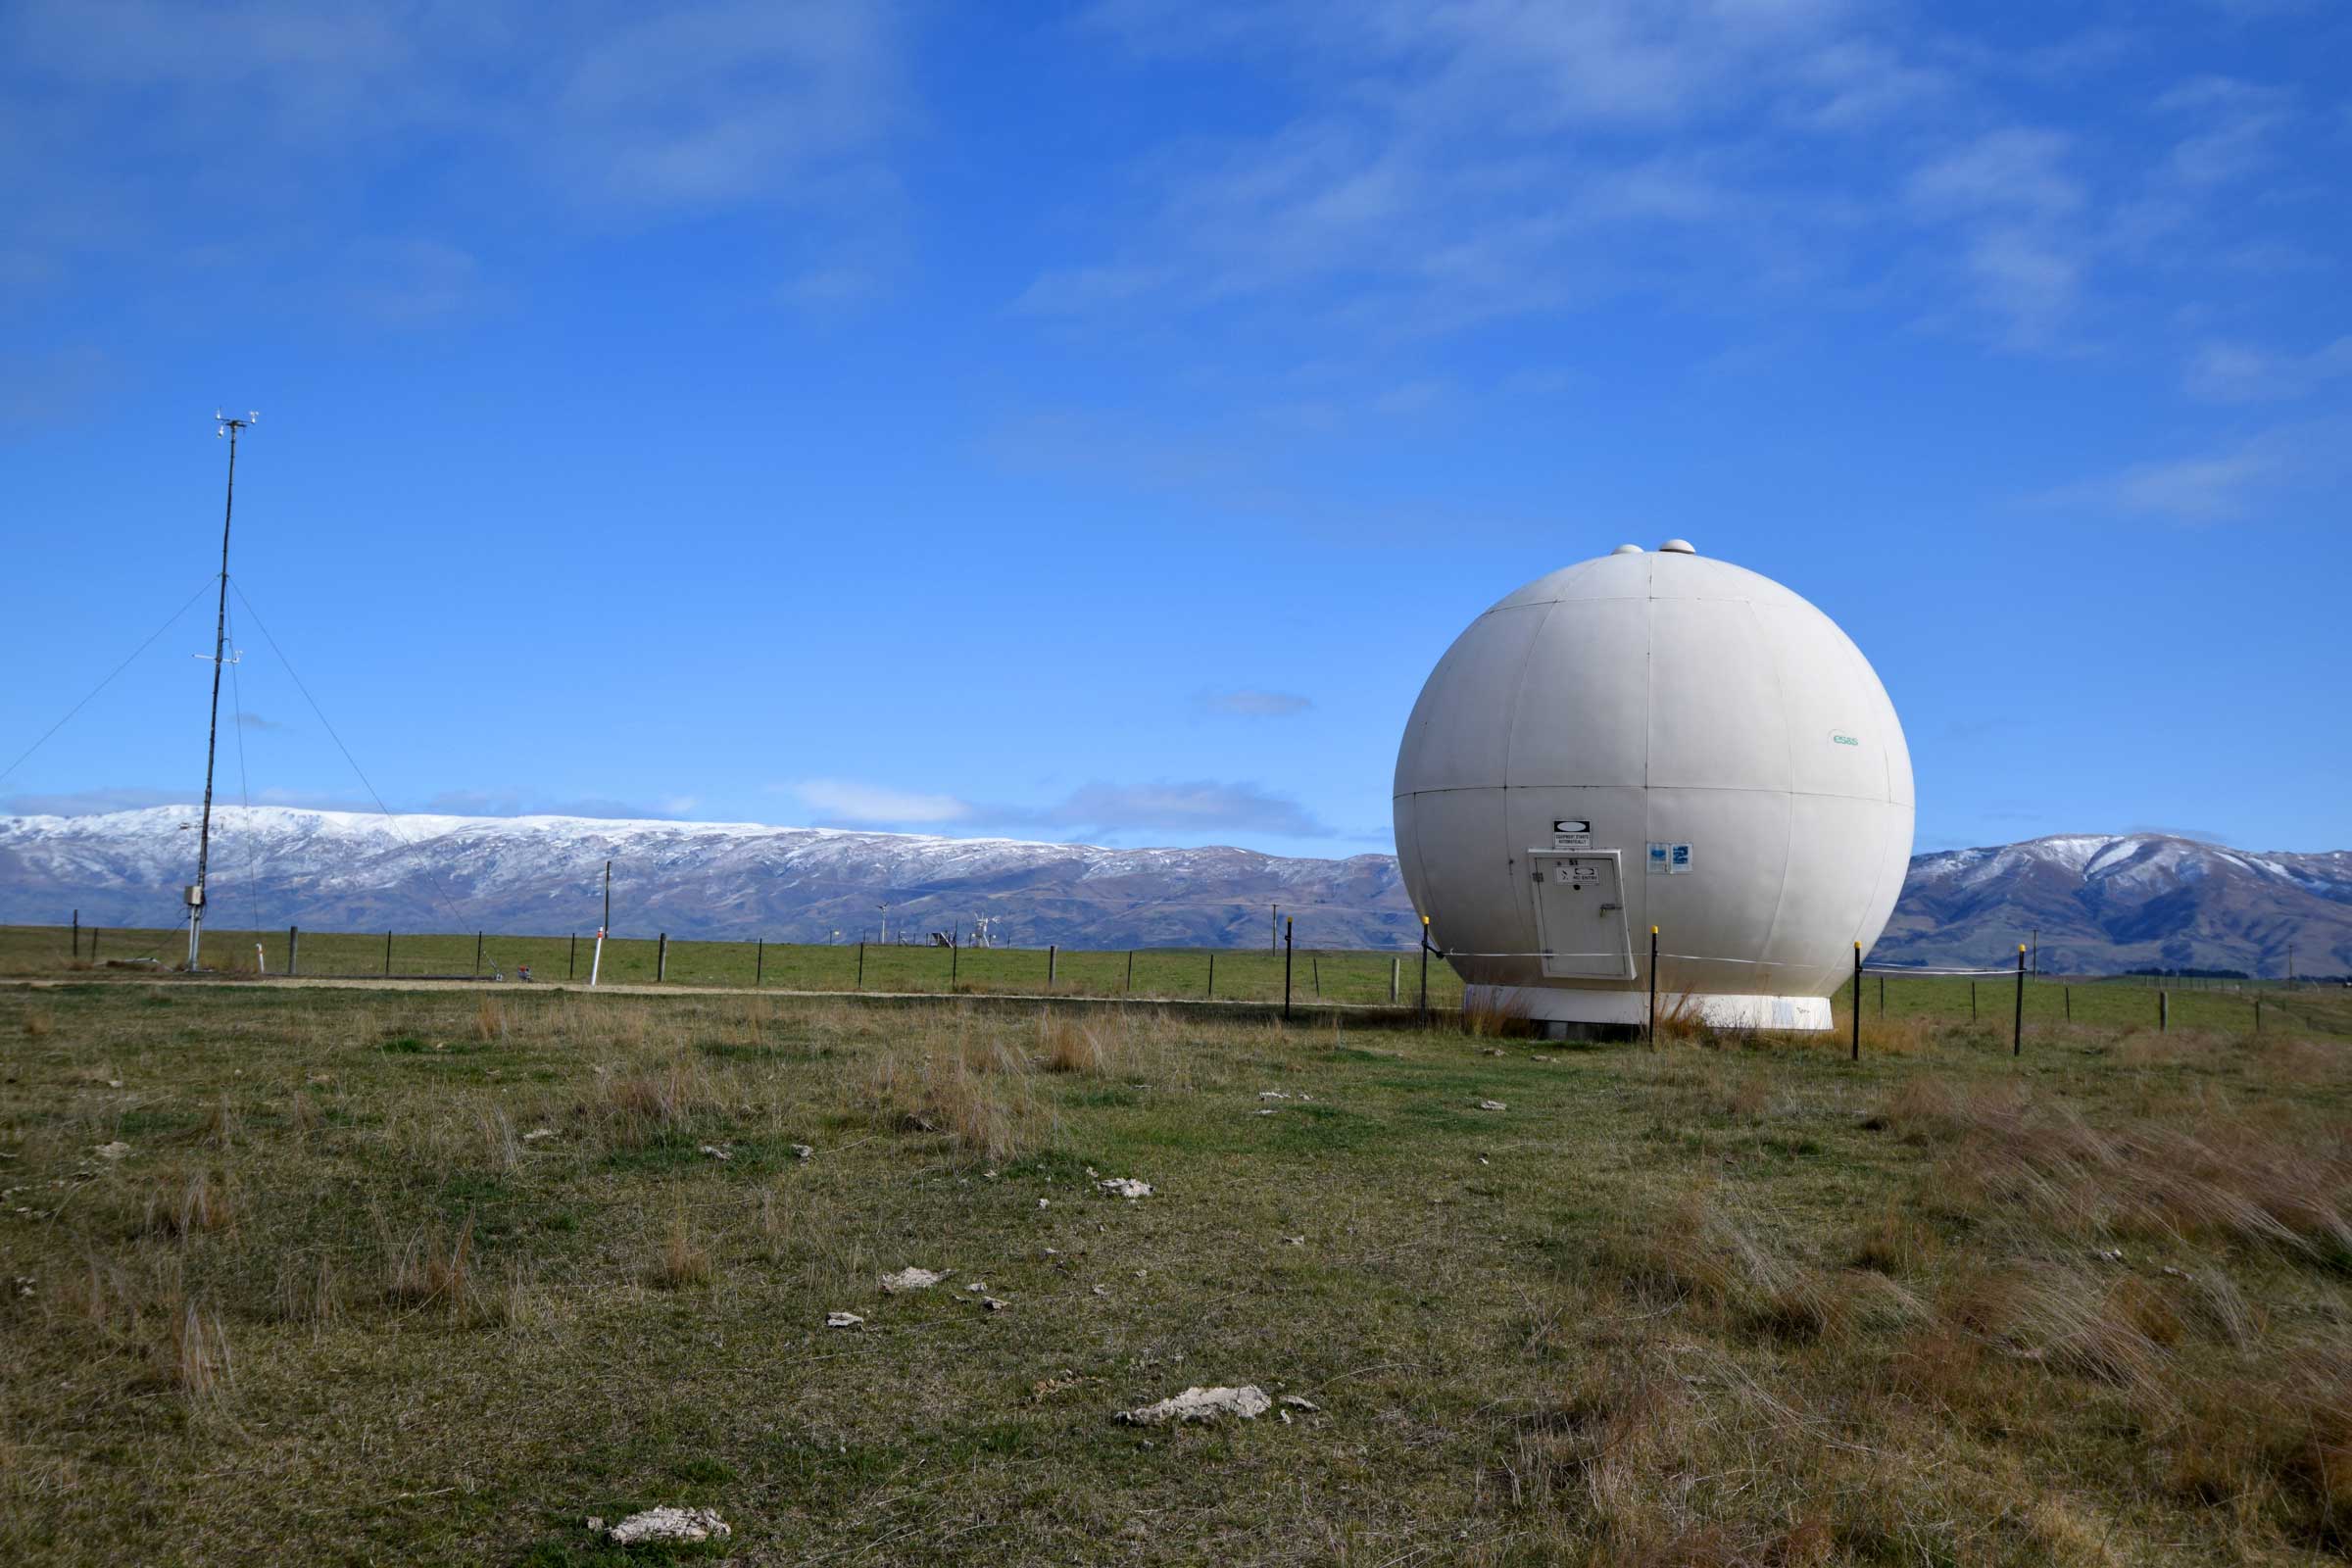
662, 958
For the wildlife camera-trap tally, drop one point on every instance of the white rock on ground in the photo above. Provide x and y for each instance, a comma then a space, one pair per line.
911, 1279
1492, 1105
537, 1134
1125, 1187
1247, 1402
844, 1320
802, 1151
716, 1153
114, 1150
663, 1525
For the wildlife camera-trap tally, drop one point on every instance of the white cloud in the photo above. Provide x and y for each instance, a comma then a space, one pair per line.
262, 122
2018, 167
1191, 808
2235, 372
1202, 806
2236, 123
1249, 702
2293, 469
846, 801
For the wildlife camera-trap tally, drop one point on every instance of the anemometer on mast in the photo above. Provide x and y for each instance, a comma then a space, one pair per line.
230, 427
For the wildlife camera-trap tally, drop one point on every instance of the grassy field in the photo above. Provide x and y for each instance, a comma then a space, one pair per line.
1239, 974
1353, 977
322, 1276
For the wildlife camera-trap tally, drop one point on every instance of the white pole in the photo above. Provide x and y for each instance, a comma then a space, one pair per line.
260, 959
597, 960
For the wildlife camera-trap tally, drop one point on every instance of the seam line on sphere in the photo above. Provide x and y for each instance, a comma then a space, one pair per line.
1565, 784
1780, 682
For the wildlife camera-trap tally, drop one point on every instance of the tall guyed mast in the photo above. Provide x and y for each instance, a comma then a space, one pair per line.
231, 427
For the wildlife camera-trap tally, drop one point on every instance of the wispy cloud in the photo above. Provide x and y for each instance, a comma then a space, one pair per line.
2290, 466
846, 801
514, 803
2221, 372
256, 722
1191, 807
259, 122
92, 802
1249, 703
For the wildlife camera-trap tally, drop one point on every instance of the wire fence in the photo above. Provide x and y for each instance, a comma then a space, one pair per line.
1994, 999
1352, 976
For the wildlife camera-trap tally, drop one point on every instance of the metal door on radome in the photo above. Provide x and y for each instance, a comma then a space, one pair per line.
1579, 915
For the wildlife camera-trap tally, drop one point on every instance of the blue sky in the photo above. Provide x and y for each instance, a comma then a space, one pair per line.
1094, 422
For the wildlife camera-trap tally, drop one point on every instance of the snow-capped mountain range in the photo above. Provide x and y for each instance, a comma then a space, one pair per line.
2100, 903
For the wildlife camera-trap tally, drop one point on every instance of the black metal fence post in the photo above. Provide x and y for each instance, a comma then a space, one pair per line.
862, 963
2017, 1027
571, 965
1213, 973
293, 949
477, 955
2163, 1010
662, 958
387, 952
1052, 961
1972, 1001
758, 961
1130, 986
1650, 1035
1425, 970
1286, 969
78, 933
1314, 969
1859, 1000
955, 959
1882, 996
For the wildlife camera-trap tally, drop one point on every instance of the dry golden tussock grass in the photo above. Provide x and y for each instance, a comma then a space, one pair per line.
1074, 1045
1897, 1242
196, 1354
309, 1291
638, 1107
427, 1270
1504, 1018
976, 1093
221, 1127
201, 1202
681, 1262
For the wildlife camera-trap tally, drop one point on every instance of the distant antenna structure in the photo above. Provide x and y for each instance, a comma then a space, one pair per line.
230, 426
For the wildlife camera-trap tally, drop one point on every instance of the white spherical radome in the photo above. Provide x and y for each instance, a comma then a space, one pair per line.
1654, 738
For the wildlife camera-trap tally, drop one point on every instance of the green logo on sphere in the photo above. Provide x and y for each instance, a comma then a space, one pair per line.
1844, 739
